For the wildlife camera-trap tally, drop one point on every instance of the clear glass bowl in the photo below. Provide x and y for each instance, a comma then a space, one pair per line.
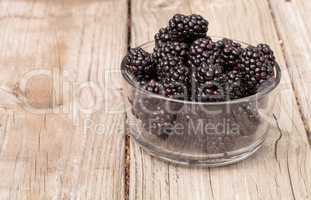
199, 133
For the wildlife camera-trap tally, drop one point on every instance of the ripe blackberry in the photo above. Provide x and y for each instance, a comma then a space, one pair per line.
187, 28
157, 115
210, 91
257, 65
159, 123
168, 88
217, 143
206, 83
175, 90
247, 116
153, 87
204, 50
224, 86
206, 72
169, 49
174, 74
267, 51
174, 69
139, 63
230, 53
153, 113
212, 83
162, 37
234, 85
252, 111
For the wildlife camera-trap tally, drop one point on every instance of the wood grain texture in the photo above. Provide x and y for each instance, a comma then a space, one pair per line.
294, 25
58, 60
280, 170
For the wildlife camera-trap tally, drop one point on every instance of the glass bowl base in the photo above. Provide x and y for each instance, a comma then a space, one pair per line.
227, 158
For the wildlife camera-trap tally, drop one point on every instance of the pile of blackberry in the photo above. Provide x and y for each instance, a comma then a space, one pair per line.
187, 64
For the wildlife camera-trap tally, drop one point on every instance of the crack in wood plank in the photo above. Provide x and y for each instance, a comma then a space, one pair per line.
168, 182
129, 24
211, 183
289, 176
277, 140
127, 156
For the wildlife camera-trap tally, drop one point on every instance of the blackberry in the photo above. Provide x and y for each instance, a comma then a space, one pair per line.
206, 72
209, 92
206, 82
224, 86
234, 85
153, 113
174, 69
224, 52
160, 124
257, 66
251, 111
153, 87
169, 49
219, 143
162, 37
168, 88
247, 116
230, 53
174, 74
175, 90
187, 28
157, 115
204, 50
211, 82
266, 51
196, 134
139, 63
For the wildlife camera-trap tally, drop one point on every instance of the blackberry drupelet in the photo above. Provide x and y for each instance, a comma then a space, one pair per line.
187, 28
139, 63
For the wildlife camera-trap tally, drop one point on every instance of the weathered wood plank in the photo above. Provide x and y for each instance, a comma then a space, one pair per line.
57, 147
294, 25
279, 170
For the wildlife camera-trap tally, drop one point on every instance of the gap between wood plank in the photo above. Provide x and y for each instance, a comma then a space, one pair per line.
127, 156
304, 120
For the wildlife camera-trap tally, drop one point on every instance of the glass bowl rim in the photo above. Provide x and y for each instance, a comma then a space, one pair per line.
262, 93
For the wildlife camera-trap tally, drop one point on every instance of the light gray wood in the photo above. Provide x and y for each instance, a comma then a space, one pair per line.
280, 170
294, 25
56, 153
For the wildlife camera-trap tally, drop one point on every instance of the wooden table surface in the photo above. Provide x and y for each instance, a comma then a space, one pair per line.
60, 58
